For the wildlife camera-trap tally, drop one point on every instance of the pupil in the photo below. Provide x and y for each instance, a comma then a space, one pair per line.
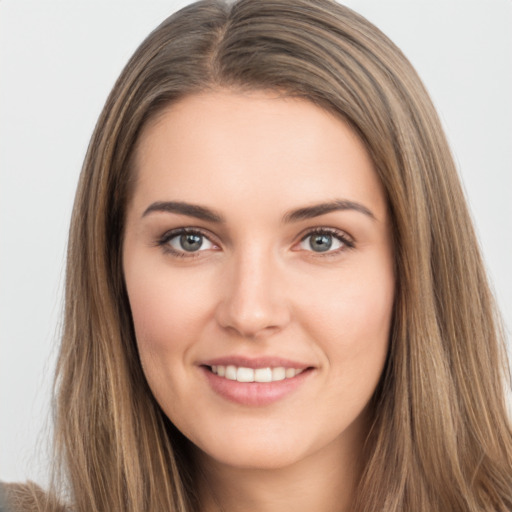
191, 242
321, 243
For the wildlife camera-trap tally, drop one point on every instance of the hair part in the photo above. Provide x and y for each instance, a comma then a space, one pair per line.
441, 438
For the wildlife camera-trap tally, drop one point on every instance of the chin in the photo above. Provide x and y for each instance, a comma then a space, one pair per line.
254, 456
262, 446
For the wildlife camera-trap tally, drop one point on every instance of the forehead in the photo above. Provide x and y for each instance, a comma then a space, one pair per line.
244, 147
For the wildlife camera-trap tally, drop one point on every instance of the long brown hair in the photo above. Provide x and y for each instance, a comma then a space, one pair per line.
441, 438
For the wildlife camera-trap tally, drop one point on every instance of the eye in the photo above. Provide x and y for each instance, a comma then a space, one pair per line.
183, 241
325, 241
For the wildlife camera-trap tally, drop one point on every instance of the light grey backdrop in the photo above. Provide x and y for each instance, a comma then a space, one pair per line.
58, 61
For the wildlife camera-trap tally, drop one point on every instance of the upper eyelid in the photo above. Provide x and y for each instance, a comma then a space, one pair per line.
341, 234
344, 239
171, 233
331, 231
163, 242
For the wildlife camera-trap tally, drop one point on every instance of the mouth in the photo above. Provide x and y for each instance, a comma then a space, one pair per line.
255, 383
244, 374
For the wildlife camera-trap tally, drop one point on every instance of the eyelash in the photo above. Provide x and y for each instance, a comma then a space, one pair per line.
169, 235
347, 243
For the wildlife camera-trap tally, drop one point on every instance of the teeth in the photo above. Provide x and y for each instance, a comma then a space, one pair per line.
242, 374
279, 373
231, 372
245, 374
263, 375
290, 372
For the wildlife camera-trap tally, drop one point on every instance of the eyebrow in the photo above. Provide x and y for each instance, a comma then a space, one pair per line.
307, 212
310, 212
181, 208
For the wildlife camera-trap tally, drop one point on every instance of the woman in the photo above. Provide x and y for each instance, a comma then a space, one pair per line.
274, 295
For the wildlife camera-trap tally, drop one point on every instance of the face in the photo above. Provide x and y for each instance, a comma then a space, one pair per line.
259, 269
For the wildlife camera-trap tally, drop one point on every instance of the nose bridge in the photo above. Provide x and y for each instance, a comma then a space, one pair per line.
253, 301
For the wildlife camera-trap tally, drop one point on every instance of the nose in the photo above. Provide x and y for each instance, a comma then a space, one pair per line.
253, 301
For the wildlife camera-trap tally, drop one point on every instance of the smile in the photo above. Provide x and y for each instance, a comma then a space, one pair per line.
255, 382
243, 374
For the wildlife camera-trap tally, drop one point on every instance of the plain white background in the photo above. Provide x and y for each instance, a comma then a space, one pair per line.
58, 61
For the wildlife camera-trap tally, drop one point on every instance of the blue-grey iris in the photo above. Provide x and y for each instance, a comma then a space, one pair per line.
191, 242
320, 242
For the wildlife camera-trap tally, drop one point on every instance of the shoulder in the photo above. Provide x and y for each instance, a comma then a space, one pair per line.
3, 504
27, 497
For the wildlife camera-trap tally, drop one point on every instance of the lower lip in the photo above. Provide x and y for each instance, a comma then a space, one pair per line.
256, 394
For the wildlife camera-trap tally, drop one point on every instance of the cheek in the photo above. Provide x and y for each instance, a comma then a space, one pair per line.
351, 318
167, 313
356, 305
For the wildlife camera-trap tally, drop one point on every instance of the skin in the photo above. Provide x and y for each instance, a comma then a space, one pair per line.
257, 288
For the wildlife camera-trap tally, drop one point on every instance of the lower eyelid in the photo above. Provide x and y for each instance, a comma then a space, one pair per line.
177, 237
345, 241
340, 236
164, 240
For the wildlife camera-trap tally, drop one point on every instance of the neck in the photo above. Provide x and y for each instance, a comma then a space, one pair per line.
324, 482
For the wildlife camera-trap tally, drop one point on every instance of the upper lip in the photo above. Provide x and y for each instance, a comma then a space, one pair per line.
255, 362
